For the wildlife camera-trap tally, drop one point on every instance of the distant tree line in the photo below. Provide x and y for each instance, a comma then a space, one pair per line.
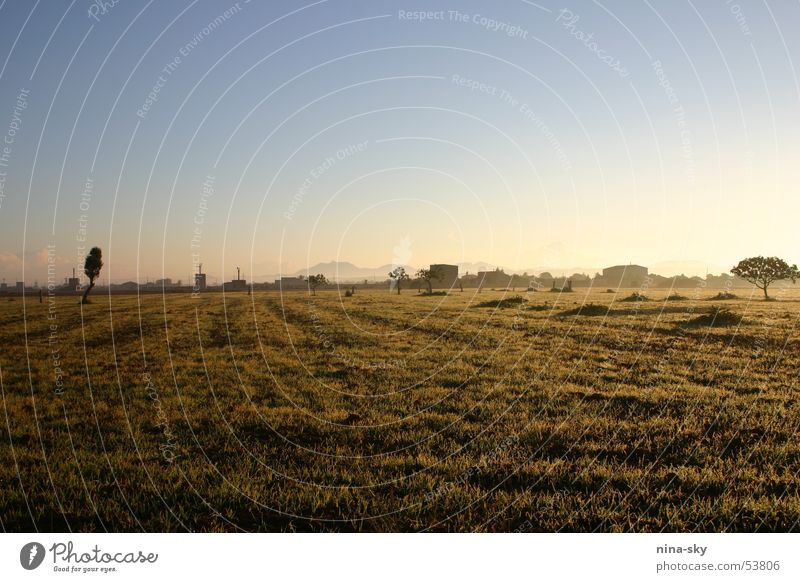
759, 271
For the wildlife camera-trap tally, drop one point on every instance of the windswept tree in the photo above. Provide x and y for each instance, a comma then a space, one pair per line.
398, 275
315, 281
91, 267
428, 275
762, 271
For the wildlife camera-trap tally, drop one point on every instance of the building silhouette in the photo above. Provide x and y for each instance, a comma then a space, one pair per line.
200, 279
291, 283
73, 283
622, 276
446, 276
237, 284
494, 279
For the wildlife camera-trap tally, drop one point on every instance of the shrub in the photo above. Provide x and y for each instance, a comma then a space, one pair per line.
635, 296
542, 307
676, 297
723, 296
348, 293
717, 317
503, 303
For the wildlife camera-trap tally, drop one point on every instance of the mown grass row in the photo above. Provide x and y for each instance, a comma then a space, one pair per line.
380, 412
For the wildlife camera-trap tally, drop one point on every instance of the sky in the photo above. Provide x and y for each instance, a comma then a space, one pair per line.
277, 135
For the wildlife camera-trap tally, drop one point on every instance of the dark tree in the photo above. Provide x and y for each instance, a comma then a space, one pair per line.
762, 271
425, 275
91, 267
428, 275
398, 275
315, 281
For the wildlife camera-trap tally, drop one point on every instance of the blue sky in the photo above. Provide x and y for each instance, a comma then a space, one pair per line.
576, 134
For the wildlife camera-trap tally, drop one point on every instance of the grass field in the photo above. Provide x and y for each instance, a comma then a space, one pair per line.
379, 412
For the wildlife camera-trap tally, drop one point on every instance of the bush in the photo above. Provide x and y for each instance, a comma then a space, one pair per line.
635, 296
723, 296
610, 291
348, 293
542, 307
676, 297
717, 317
503, 303
433, 294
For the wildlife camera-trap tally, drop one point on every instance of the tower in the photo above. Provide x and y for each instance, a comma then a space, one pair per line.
73, 283
199, 279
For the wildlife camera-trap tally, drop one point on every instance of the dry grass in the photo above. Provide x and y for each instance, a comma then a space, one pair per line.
393, 413
589, 309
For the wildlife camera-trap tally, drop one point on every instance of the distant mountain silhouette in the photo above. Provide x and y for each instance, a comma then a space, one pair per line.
344, 271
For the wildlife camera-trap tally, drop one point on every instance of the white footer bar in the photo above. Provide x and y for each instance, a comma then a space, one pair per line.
390, 557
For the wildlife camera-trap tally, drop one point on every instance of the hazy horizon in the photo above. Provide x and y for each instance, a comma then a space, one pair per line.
347, 272
277, 137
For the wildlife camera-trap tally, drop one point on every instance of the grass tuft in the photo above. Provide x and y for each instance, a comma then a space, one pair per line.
635, 296
543, 307
503, 303
677, 297
723, 296
717, 317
